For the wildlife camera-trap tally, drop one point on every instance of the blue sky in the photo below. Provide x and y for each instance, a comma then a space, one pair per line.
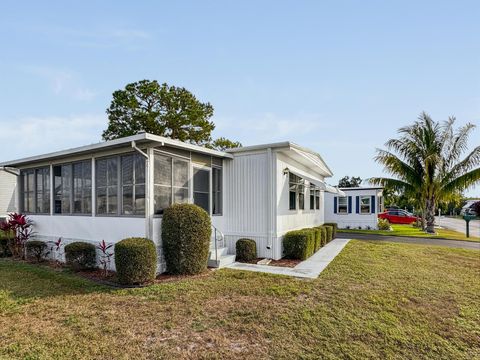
338, 77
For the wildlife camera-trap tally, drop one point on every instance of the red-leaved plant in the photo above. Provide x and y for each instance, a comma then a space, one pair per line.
18, 229
56, 249
106, 256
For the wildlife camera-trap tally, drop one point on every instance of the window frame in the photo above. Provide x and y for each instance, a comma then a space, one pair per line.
361, 197
192, 184
346, 205
135, 157
172, 187
34, 191
217, 192
300, 187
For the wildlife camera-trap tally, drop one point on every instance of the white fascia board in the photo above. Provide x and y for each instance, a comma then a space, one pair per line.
125, 141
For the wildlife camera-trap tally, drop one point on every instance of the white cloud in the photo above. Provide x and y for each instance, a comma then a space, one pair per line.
62, 82
37, 135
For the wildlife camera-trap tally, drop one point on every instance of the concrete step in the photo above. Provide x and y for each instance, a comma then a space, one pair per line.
222, 261
221, 251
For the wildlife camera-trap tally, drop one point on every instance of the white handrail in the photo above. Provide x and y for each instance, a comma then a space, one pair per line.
222, 237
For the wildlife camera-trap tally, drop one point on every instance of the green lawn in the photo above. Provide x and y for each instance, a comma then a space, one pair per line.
375, 300
409, 230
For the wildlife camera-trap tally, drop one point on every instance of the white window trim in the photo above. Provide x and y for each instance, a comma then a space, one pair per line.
369, 205
338, 205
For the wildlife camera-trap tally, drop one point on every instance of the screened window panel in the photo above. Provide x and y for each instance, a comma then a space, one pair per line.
201, 180
127, 200
112, 200
66, 188
162, 170
201, 199
127, 170
101, 173
180, 196
101, 200
140, 170
292, 200
180, 173
217, 191
163, 198
140, 199
112, 171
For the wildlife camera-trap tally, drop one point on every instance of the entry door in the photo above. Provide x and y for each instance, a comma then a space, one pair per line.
201, 188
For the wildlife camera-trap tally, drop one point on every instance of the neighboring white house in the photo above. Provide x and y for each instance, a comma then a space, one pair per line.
119, 188
358, 209
8, 182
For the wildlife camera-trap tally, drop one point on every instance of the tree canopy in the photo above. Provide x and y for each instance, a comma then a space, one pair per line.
427, 164
163, 110
347, 182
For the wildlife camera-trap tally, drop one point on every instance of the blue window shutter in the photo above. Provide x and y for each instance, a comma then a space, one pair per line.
372, 207
349, 204
357, 203
334, 204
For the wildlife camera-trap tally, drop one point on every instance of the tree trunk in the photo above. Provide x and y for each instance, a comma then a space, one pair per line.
430, 216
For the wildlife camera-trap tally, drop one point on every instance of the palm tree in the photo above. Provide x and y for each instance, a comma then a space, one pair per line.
425, 164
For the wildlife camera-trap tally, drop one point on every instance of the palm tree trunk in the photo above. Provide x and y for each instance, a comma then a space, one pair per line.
430, 216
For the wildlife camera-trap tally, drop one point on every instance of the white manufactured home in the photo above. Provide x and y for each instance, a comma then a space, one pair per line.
8, 198
358, 209
119, 188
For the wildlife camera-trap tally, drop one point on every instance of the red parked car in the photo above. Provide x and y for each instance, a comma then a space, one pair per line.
398, 216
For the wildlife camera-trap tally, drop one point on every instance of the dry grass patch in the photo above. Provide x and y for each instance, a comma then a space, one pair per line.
375, 300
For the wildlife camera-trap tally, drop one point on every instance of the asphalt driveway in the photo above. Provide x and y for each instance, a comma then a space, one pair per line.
458, 225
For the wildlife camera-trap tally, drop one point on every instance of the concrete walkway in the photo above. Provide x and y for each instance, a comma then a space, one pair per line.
310, 268
469, 245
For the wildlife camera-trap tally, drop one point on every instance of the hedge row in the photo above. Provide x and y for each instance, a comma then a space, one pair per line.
301, 244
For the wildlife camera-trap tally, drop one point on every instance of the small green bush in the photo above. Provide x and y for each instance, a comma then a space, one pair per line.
334, 227
186, 233
299, 244
246, 250
135, 261
329, 230
383, 224
80, 255
318, 238
323, 231
4, 247
36, 249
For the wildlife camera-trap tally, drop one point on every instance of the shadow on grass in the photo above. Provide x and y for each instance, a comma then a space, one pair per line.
23, 281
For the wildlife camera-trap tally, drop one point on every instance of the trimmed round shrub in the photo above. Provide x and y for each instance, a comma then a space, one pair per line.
246, 250
135, 261
36, 250
299, 244
186, 233
323, 231
383, 224
329, 230
334, 229
80, 255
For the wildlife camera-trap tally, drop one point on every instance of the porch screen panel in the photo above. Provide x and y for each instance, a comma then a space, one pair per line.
217, 191
201, 188
82, 187
162, 182
42, 190
133, 184
180, 181
107, 185
28, 191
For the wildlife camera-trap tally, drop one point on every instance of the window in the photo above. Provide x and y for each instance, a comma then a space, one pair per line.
365, 205
317, 199
82, 187
133, 184
73, 188
380, 204
312, 197
201, 187
217, 191
343, 205
296, 188
35, 190
106, 175
42, 204
170, 181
